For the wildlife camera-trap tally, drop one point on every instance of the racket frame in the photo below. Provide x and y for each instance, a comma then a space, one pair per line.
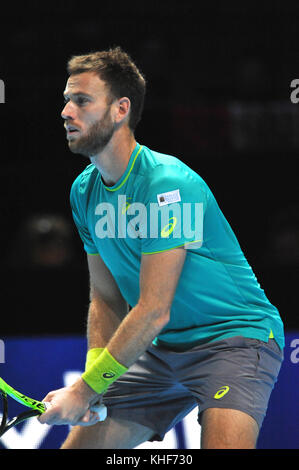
36, 407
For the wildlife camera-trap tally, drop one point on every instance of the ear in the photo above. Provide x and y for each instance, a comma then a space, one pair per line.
122, 109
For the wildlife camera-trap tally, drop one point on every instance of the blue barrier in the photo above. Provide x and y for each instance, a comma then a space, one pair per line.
37, 365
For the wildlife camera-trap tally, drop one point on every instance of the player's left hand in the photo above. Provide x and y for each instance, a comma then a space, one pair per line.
71, 405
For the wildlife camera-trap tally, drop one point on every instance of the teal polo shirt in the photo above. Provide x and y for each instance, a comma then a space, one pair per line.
160, 204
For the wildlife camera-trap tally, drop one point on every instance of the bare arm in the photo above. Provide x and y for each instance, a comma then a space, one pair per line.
159, 275
107, 306
127, 336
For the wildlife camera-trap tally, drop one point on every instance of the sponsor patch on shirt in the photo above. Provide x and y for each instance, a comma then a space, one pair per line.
169, 198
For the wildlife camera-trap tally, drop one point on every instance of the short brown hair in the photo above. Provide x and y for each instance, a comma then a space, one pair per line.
116, 68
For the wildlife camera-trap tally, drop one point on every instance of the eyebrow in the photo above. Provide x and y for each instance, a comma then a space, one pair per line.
79, 93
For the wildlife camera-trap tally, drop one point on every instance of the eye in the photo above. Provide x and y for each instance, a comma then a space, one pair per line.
81, 101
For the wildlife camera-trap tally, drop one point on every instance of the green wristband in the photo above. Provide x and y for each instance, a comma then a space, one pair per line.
92, 355
103, 372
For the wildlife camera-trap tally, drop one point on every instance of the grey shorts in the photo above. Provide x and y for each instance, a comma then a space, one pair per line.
163, 386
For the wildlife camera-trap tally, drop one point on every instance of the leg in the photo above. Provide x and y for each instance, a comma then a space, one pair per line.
109, 434
224, 428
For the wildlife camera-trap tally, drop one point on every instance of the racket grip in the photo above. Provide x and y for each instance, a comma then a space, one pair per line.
101, 410
47, 404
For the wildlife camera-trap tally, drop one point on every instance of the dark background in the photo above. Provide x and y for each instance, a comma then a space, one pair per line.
218, 98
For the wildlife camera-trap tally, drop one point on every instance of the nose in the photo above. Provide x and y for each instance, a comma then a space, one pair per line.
68, 111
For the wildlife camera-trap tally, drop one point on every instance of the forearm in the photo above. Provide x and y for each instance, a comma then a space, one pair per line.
130, 340
102, 322
135, 334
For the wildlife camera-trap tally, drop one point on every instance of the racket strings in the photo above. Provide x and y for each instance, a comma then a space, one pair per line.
5, 426
20, 418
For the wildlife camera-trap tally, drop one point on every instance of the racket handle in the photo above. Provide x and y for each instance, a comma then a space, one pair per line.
101, 410
47, 404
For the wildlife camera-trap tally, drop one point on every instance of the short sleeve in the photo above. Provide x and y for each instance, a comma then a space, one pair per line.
80, 218
175, 206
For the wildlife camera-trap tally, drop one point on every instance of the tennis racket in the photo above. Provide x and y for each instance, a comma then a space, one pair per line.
36, 407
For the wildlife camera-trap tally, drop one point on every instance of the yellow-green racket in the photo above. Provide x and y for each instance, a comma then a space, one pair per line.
36, 407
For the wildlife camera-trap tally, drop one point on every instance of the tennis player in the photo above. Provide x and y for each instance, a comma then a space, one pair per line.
177, 318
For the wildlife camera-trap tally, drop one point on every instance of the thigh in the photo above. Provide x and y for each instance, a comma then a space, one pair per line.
109, 434
228, 429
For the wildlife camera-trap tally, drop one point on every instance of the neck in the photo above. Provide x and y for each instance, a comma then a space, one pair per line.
112, 162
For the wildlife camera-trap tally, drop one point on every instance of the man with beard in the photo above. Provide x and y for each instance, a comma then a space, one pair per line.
176, 320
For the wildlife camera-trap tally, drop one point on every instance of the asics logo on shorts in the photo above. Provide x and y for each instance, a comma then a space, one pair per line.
221, 392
